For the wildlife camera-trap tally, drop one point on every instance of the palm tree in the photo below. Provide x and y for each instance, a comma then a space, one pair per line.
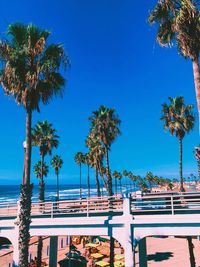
44, 136
57, 163
105, 125
142, 184
178, 24
96, 154
79, 159
120, 181
30, 72
41, 170
197, 155
150, 178
178, 120
115, 175
87, 161
125, 174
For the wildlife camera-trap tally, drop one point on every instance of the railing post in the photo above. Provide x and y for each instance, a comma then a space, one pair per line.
172, 205
126, 205
52, 208
8, 209
87, 207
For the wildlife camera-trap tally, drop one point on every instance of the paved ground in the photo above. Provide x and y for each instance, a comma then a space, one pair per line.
167, 252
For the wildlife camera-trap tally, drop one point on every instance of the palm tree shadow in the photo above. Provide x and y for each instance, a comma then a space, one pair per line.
160, 256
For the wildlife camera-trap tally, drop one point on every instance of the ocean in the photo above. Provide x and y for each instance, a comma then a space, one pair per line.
10, 193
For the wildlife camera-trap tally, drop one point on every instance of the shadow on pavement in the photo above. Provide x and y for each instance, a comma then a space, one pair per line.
159, 256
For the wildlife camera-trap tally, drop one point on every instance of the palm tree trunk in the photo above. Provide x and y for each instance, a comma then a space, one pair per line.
116, 186
120, 184
41, 199
41, 190
112, 243
108, 176
196, 73
198, 162
191, 252
25, 198
97, 182
80, 182
88, 180
102, 177
42, 184
181, 164
57, 176
39, 251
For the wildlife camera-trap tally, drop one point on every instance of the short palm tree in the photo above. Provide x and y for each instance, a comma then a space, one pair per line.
197, 155
120, 181
44, 136
79, 159
57, 164
142, 184
118, 176
151, 179
87, 161
178, 120
105, 125
126, 174
29, 72
96, 154
41, 170
115, 175
178, 24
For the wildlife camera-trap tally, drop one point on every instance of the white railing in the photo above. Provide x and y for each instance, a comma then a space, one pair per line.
81, 207
168, 203
149, 204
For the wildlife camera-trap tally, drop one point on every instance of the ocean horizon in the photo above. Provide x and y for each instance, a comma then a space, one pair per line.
11, 193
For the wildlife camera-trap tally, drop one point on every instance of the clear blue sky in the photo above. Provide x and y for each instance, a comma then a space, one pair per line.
115, 61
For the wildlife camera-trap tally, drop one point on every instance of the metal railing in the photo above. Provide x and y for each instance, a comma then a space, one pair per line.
150, 204
80, 207
168, 203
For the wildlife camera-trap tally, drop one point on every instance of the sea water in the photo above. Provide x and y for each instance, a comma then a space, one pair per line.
11, 193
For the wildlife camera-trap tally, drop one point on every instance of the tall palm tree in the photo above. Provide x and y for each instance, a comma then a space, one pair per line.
105, 125
44, 136
41, 170
57, 164
79, 159
30, 72
178, 24
178, 120
197, 155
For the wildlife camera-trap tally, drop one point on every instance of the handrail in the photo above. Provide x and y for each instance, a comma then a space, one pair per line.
178, 203
175, 203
